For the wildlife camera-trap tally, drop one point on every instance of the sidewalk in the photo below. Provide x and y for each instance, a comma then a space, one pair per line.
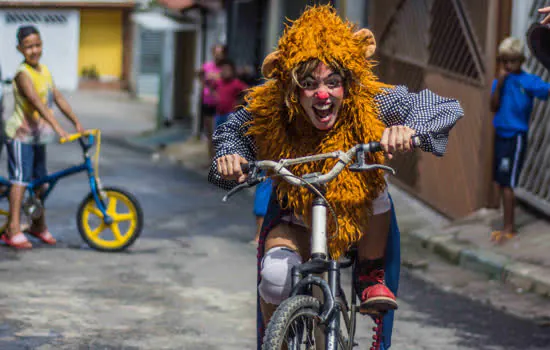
123, 120
523, 262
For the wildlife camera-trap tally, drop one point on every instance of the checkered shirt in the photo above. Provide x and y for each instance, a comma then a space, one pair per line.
430, 115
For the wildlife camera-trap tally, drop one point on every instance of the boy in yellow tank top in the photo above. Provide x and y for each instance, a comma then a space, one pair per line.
28, 130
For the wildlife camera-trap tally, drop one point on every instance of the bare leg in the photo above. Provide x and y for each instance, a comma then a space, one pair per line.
259, 223
39, 225
14, 220
209, 130
509, 203
290, 236
373, 243
369, 278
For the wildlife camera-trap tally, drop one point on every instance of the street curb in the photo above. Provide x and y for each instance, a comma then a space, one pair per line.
128, 144
523, 276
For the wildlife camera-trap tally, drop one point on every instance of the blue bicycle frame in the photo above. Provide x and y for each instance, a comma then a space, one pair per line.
52, 179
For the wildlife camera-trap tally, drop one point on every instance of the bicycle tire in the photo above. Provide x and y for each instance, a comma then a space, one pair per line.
88, 206
288, 311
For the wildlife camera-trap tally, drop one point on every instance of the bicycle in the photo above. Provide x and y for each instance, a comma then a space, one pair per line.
102, 209
285, 326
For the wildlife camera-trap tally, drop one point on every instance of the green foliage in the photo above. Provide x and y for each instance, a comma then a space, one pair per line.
90, 72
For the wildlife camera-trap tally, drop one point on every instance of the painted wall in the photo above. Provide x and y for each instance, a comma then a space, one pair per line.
60, 35
520, 17
101, 42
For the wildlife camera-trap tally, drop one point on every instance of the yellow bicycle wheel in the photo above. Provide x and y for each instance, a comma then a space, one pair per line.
127, 223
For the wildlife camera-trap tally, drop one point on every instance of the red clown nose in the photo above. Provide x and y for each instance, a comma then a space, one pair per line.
322, 95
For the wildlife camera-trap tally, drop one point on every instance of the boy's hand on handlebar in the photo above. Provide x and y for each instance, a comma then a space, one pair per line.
229, 167
79, 128
397, 138
63, 135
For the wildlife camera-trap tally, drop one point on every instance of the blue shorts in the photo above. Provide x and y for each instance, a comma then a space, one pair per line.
509, 156
220, 119
261, 200
26, 161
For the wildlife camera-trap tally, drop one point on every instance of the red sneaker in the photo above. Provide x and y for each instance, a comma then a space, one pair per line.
376, 298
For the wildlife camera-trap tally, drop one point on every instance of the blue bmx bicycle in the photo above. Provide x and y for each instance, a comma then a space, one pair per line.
108, 218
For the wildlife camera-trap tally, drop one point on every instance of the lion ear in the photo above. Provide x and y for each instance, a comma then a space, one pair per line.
366, 36
270, 62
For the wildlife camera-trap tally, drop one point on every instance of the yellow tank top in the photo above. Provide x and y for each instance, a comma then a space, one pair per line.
26, 124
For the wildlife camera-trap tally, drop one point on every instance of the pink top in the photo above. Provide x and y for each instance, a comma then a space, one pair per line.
228, 94
211, 74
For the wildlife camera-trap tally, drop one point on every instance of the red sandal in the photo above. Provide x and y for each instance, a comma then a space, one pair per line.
45, 236
18, 241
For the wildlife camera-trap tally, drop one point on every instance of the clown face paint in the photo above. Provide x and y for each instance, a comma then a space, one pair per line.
321, 96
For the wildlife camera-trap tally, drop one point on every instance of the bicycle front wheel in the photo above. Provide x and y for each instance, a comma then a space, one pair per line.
294, 324
127, 217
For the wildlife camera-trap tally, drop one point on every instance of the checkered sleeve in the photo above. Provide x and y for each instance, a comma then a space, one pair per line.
230, 138
430, 115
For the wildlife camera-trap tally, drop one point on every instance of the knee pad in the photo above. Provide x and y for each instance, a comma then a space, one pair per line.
276, 272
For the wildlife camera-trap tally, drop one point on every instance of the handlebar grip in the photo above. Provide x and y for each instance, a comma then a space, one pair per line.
70, 138
416, 141
375, 146
76, 136
372, 147
245, 167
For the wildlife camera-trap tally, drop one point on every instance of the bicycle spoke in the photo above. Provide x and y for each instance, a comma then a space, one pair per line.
98, 230
116, 232
111, 209
301, 335
95, 211
124, 217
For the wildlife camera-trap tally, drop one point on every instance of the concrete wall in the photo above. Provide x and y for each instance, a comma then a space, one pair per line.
520, 17
60, 32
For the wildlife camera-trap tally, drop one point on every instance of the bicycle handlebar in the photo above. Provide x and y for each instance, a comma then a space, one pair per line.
344, 158
76, 136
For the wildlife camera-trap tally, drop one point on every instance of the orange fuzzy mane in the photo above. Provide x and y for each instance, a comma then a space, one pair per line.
284, 131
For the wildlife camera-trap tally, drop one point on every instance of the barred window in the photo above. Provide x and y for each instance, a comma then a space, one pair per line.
34, 18
452, 46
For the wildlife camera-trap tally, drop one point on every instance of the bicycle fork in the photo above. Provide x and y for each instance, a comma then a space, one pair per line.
318, 265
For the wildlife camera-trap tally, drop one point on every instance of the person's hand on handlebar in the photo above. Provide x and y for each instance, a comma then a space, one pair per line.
229, 167
79, 128
545, 10
62, 134
397, 138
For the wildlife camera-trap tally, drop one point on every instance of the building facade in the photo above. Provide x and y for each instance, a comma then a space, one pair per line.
86, 43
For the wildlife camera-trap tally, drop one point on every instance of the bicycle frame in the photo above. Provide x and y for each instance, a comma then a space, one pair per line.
52, 179
303, 278
303, 275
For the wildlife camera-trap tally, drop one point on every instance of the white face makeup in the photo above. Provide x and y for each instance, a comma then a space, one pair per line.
321, 96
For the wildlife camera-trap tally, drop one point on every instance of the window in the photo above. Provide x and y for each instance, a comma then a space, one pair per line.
34, 18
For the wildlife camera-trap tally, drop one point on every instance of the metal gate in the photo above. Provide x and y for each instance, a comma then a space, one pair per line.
447, 46
534, 183
151, 44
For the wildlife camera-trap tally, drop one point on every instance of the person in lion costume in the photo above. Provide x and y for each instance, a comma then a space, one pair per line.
320, 95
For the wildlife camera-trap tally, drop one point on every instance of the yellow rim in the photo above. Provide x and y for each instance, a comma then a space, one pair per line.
128, 216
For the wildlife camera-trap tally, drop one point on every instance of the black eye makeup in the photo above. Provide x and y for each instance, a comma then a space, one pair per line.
333, 81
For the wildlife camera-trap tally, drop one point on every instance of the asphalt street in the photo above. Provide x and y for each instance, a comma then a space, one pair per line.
189, 281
